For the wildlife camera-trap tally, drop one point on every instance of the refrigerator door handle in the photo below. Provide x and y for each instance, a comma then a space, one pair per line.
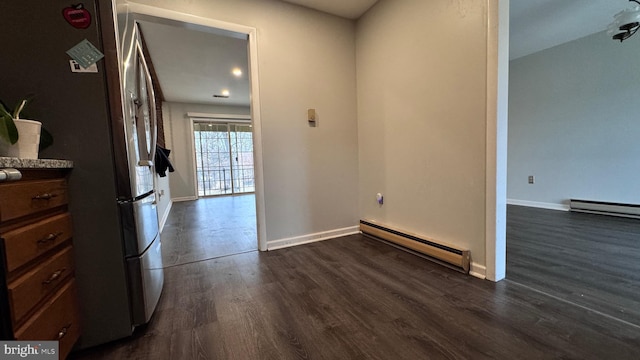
146, 155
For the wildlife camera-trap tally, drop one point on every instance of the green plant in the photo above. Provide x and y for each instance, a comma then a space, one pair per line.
9, 131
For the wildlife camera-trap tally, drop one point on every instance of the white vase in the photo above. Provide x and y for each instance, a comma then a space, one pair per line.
28, 140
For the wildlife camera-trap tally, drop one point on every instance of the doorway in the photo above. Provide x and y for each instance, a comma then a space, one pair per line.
202, 228
224, 158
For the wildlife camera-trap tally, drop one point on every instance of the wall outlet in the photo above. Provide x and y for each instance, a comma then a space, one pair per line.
532, 179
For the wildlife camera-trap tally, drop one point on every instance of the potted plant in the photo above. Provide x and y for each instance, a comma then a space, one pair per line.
21, 138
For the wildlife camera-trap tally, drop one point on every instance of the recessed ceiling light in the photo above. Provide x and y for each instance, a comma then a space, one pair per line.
224, 94
237, 72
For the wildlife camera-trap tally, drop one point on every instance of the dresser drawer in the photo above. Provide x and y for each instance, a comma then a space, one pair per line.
56, 320
30, 241
25, 198
40, 282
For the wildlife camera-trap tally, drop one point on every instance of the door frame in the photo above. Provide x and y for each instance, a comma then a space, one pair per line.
252, 35
497, 116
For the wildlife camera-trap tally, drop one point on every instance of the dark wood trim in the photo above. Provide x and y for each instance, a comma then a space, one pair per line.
106, 19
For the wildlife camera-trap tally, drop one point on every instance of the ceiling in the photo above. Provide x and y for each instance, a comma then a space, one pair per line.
540, 24
195, 63
350, 9
534, 24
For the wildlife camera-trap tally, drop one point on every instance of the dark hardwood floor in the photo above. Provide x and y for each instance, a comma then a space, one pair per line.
589, 260
208, 228
357, 298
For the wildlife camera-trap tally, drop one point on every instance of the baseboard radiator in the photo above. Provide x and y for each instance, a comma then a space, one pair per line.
448, 254
605, 208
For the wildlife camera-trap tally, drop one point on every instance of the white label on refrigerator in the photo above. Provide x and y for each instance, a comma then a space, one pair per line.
76, 68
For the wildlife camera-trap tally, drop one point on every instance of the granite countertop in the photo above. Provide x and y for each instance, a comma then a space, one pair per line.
11, 162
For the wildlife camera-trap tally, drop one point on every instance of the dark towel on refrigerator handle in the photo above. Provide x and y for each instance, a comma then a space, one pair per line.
162, 161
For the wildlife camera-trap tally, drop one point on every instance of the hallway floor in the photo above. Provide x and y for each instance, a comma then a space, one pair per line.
208, 228
357, 298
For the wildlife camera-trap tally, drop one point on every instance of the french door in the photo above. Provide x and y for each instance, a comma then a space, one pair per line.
224, 158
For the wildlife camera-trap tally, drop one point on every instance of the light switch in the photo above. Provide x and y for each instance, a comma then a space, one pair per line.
311, 115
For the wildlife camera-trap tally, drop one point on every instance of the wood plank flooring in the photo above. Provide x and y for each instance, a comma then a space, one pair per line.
590, 260
357, 298
208, 228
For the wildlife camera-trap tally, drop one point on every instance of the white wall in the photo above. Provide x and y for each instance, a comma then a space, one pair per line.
306, 60
422, 93
163, 190
574, 120
422, 111
179, 138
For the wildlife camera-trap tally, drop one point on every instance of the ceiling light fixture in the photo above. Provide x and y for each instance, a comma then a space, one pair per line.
625, 23
237, 72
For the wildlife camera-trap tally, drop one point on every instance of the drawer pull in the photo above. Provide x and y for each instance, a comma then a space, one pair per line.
45, 196
63, 332
50, 237
54, 276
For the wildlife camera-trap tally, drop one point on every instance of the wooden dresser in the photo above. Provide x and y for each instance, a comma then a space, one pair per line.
37, 286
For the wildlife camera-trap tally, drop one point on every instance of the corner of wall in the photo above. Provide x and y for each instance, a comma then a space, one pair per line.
496, 141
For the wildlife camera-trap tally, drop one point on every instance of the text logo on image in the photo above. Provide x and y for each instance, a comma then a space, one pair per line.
10, 350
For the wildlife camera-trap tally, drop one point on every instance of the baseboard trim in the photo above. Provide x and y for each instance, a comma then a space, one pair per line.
477, 270
165, 216
184, 198
310, 238
536, 204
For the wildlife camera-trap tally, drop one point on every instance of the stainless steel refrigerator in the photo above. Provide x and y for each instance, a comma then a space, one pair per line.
105, 122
